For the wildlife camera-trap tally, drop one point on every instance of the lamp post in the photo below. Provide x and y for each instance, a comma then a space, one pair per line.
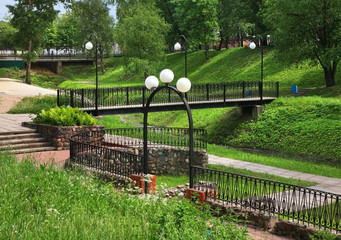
183, 85
177, 47
89, 46
253, 46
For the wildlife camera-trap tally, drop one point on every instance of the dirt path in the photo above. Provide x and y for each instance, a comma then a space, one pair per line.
7, 102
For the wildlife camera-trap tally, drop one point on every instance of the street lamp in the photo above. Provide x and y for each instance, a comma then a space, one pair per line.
183, 85
89, 46
253, 46
177, 47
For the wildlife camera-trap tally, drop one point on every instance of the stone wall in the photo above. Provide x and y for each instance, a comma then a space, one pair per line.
170, 160
59, 135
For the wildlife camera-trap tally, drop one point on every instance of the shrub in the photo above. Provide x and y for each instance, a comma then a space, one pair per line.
64, 116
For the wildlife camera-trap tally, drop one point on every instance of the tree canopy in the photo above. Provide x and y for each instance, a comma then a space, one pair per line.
307, 29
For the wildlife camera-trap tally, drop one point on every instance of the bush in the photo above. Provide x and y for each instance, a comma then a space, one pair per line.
64, 116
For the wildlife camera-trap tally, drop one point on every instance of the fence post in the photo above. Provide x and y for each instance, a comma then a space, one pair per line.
169, 98
243, 93
71, 98
224, 92
277, 89
208, 92
143, 97
127, 95
82, 97
58, 98
260, 89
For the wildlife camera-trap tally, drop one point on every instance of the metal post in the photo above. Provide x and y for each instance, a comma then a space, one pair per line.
58, 98
145, 131
185, 46
71, 98
96, 93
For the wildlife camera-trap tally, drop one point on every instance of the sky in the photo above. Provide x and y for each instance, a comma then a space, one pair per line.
4, 10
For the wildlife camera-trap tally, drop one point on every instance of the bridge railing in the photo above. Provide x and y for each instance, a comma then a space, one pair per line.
137, 96
280, 199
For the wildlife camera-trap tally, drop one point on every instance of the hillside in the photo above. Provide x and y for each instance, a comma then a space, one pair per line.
238, 64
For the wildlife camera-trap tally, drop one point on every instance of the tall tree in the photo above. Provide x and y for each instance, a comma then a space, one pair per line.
307, 29
31, 18
93, 18
67, 31
198, 21
141, 34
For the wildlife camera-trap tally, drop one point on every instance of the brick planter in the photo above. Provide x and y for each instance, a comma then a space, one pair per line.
139, 181
59, 136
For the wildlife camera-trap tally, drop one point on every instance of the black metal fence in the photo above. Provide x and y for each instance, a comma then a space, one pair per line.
101, 149
137, 96
287, 201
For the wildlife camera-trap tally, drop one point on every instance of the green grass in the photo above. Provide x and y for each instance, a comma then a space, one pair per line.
285, 163
34, 104
306, 126
44, 203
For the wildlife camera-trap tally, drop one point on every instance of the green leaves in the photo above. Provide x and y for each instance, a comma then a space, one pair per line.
65, 116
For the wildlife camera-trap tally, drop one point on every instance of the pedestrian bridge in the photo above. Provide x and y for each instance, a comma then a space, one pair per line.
125, 100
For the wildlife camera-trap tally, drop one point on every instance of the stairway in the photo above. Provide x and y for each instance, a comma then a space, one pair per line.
27, 141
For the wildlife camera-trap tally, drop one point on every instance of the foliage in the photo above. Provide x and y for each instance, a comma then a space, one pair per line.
65, 116
34, 104
95, 13
307, 29
307, 126
197, 20
67, 31
7, 35
69, 205
141, 33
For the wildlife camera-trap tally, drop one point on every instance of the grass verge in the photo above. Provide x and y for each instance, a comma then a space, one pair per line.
44, 203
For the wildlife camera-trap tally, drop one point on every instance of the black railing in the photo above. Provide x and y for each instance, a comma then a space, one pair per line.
287, 201
102, 150
137, 96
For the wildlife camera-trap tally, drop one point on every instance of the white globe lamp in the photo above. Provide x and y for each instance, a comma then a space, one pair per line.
89, 46
166, 76
252, 45
177, 46
183, 85
151, 82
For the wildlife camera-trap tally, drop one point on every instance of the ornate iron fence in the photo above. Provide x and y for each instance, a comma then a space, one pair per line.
137, 96
288, 201
101, 149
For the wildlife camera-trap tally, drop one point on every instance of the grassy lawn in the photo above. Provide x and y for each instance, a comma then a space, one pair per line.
285, 163
44, 203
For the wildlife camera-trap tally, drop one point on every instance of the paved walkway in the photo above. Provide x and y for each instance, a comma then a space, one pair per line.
12, 87
327, 184
12, 122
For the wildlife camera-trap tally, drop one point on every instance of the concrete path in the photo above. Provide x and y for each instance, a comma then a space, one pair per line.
12, 87
327, 184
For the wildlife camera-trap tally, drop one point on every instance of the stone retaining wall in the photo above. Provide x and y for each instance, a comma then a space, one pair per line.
170, 160
59, 135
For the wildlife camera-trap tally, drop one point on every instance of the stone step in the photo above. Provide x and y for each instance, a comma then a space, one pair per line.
18, 132
19, 136
31, 150
25, 145
22, 141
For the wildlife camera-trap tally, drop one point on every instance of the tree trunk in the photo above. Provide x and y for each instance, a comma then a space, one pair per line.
220, 43
206, 51
28, 63
329, 75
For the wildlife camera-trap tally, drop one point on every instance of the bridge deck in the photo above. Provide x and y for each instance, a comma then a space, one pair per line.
161, 107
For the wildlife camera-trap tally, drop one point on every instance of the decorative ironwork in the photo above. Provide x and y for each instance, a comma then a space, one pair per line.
101, 149
137, 96
287, 201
